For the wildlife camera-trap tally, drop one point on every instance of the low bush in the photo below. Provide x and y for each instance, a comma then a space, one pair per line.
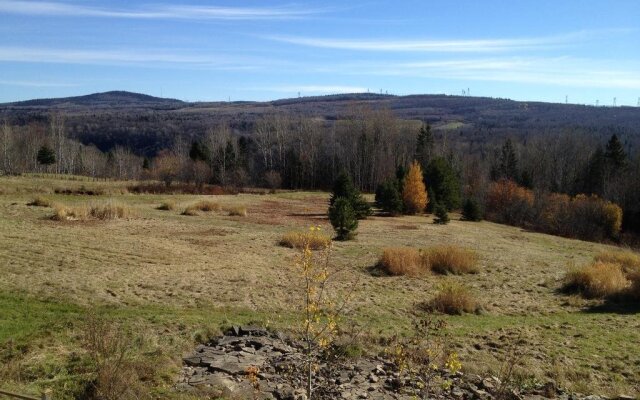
597, 280
402, 261
63, 212
190, 210
449, 259
441, 213
628, 260
104, 211
110, 210
168, 205
180, 188
453, 298
208, 205
40, 201
343, 218
236, 211
315, 239
634, 289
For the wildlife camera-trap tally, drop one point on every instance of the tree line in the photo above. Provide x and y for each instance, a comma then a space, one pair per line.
372, 146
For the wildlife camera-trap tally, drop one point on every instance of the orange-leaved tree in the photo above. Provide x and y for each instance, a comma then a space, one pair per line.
414, 194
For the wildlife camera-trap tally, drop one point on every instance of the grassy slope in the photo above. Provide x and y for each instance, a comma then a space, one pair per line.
167, 277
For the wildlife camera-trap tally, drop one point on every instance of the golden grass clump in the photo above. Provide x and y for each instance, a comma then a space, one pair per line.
401, 261
451, 260
110, 210
634, 289
236, 211
63, 212
597, 280
168, 205
105, 211
628, 260
315, 239
454, 298
40, 201
203, 205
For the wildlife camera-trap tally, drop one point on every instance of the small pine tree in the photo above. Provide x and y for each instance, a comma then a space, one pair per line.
614, 153
471, 211
443, 183
343, 218
414, 195
199, 152
146, 164
343, 187
441, 213
46, 156
388, 197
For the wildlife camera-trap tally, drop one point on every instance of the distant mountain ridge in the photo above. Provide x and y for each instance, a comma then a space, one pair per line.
111, 98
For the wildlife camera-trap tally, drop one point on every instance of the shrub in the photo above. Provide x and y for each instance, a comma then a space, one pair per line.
343, 218
191, 210
509, 203
401, 261
414, 194
634, 289
62, 212
40, 201
449, 259
597, 280
628, 260
454, 298
110, 210
207, 205
168, 205
236, 211
315, 239
471, 210
388, 197
442, 216
343, 187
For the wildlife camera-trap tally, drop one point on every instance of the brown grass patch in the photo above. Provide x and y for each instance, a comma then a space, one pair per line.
627, 259
168, 205
300, 239
40, 201
453, 298
451, 260
236, 211
401, 261
597, 280
103, 212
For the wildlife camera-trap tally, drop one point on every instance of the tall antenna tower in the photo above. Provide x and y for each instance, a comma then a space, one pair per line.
566, 99
597, 103
468, 92
614, 101
638, 102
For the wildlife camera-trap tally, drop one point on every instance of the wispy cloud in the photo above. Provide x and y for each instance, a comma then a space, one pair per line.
312, 89
132, 57
438, 45
555, 71
195, 12
35, 84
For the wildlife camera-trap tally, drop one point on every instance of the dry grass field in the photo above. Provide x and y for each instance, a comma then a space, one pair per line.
170, 278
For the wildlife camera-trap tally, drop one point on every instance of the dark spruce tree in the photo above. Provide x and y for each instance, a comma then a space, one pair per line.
388, 197
507, 167
199, 152
614, 153
146, 164
46, 156
343, 218
343, 187
441, 213
424, 146
471, 210
442, 182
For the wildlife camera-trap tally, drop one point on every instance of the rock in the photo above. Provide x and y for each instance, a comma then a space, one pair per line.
373, 378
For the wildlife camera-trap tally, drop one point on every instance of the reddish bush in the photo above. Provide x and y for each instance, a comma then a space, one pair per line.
509, 203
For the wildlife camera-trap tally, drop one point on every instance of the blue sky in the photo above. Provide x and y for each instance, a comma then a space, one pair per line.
259, 50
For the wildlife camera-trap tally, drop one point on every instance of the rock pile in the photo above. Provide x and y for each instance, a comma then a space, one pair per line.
251, 363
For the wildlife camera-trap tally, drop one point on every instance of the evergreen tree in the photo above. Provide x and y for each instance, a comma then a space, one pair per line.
401, 172
414, 195
507, 167
343, 187
46, 156
424, 145
443, 182
343, 218
471, 210
146, 164
442, 216
388, 197
594, 176
199, 152
614, 153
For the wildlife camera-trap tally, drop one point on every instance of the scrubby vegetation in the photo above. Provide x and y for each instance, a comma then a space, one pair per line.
444, 259
40, 201
453, 298
402, 261
168, 205
236, 211
100, 211
597, 280
315, 239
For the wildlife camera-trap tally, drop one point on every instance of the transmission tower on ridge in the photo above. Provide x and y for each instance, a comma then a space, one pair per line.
614, 101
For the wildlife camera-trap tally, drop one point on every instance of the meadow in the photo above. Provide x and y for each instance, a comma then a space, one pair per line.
170, 280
